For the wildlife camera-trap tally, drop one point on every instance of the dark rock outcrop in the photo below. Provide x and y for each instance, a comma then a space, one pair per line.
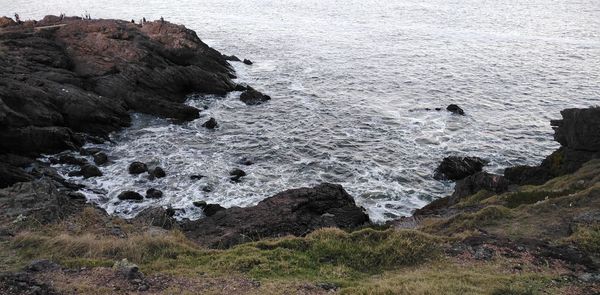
43, 201
130, 195
253, 97
579, 135
137, 168
100, 158
231, 58
455, 168
248, 62
88, 171
209, 209
210, 124
60, 84
476, 182
292, 212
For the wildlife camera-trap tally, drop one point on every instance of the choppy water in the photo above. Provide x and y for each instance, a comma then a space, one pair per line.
344, 77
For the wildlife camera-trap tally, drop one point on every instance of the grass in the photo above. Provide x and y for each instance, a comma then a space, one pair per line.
587, 238
487, 216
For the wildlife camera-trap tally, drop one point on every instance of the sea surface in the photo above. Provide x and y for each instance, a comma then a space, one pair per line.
350, 82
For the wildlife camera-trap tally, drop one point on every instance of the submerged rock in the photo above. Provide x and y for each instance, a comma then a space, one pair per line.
253, 97
137, 168
455, 109
130, 195
237, 174
158, 172
455, 168
154, 193
100, 158
292, 212
210, 124
248, 62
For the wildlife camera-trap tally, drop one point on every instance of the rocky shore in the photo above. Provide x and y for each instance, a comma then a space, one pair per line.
68, 81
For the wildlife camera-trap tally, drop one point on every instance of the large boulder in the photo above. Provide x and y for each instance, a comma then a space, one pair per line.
455, 168
253, 97
292, 212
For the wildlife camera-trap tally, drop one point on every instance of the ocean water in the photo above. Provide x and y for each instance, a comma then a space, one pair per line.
350, 81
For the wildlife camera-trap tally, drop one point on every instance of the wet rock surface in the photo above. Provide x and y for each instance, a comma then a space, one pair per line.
292, 212
455, 168
137, 168
210, 124
130, 195
252, 96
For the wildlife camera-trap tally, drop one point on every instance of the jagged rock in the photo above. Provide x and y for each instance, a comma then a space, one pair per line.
253, 97
292, 212
42, 200
71, 160
154, 193
130, 195
455, 109
86, 75
579, 135
89, 151
237, 174
231, 58
476, 182
455, 168
100, 158
130, 270
137, 168
7, 22
10, 175
210, 124
248, 62
158, 172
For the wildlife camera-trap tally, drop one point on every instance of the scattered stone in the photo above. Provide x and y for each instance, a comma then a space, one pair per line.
455, 168
130, 270
483, 253
88, 171
455, 109
248, 62
237, 174
158, 172
154, 193
327, 286
209, 209
100, 158
130, 195
137, 168
210, 124
253, 97
157, 216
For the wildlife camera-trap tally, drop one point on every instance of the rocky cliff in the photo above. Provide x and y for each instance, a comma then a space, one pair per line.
64, 79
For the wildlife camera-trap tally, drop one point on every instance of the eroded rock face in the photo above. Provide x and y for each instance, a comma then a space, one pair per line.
85, 75
476, 182
292, 212
579, 135
455, 168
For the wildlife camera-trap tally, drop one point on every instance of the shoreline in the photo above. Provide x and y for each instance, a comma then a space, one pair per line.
84, 92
